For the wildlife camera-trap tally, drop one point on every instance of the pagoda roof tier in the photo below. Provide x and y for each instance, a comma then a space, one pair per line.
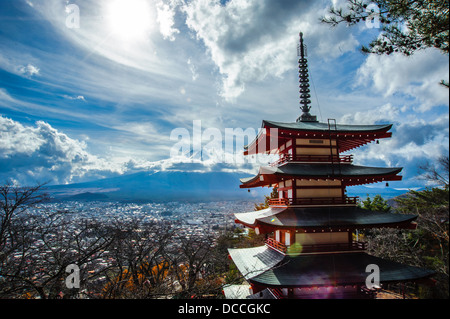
252, 262
349, 174
323, 127
317, 218
349, 136
267, 267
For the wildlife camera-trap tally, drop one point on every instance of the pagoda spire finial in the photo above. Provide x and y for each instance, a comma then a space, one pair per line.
304, 84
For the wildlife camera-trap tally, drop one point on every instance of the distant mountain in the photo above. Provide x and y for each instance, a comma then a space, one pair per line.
161, 186
385, 192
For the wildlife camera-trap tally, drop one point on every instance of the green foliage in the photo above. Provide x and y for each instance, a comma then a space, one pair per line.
419, 201
233, 276
273, 195
406, 25
427, 246
376, 204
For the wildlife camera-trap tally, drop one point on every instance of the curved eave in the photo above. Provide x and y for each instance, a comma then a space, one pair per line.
334, 270
349, 174
323, 127
331, 218
349, 136
267, 225
249, 219
254, 261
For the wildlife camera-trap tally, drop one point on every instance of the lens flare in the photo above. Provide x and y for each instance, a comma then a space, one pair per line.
295, 249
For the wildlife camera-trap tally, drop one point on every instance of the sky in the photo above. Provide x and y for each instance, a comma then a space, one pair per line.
95, 89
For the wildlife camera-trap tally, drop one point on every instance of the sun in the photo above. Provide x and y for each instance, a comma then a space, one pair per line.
129, 19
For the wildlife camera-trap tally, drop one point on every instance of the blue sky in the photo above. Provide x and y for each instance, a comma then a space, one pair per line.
102, 99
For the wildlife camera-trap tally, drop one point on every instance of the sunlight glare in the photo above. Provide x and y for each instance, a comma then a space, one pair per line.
129, 19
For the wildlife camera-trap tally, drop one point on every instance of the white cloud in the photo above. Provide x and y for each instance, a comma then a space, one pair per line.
417, 76
385, 113
41, 153
250, 40
28, 70
108, 68
193, 69
5, 97
17, 62
78, 97
165, 18
16, 138
138, 92
412, 142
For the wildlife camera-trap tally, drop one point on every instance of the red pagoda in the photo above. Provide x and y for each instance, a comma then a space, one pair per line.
310, 250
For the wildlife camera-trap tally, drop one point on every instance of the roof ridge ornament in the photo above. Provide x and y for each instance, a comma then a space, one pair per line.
304, 84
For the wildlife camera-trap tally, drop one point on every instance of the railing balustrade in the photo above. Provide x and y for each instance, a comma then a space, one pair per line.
352, 246
276, 244
284, 158
314, 201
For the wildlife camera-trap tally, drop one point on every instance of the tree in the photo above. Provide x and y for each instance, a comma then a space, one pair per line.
437, 173
50, 242
138, 268
64, 240
37, 245
37, 267
118, 258
428, 245
15, 232
430, 241
273, 195
14, 201
406, 25
192, 266
376, 204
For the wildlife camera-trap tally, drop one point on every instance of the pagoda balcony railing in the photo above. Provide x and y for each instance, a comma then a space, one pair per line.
279, 202
334, 247
276, 244
314, 201
284, 158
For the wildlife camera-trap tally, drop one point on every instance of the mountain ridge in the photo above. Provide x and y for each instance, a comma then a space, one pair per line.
163, 186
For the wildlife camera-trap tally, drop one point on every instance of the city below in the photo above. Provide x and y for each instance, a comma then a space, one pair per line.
190, 219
